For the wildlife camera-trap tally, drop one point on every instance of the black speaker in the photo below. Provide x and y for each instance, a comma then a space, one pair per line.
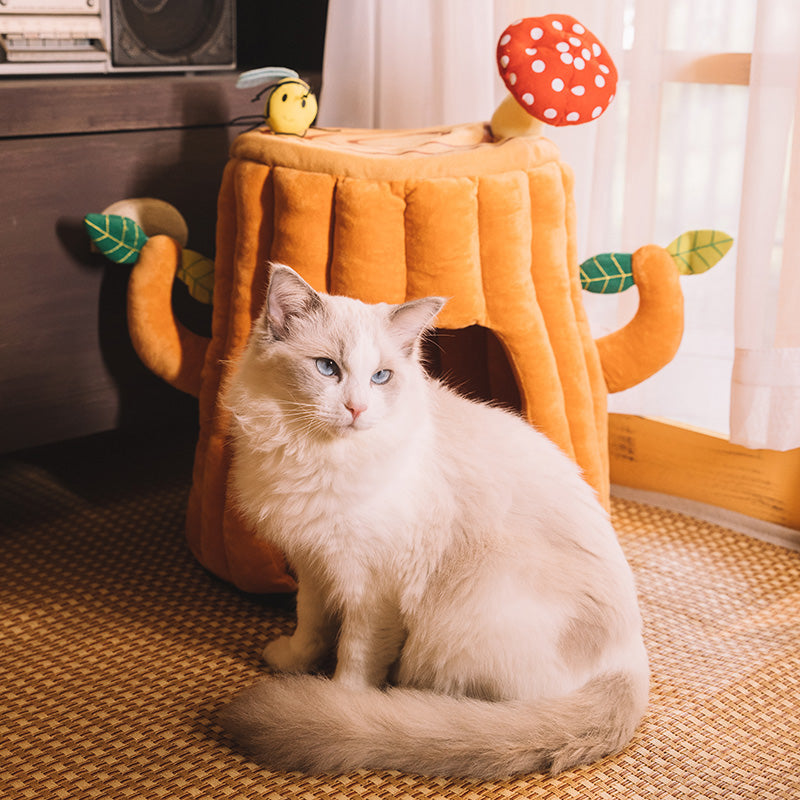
173, 34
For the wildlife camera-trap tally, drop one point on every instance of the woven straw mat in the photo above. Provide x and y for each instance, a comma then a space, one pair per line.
116, 650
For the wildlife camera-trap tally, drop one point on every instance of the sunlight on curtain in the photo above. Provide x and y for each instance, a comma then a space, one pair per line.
407, 63
681, 169
765, 398
667, 157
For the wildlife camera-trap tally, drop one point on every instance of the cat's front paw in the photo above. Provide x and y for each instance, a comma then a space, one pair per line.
285, 655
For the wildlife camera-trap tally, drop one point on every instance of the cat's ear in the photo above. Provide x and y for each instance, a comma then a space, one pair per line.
288, 296
409, 321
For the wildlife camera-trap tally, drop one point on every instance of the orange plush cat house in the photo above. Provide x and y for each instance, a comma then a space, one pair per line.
482, 215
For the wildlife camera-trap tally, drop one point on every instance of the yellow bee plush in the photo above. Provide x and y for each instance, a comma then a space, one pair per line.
291, 106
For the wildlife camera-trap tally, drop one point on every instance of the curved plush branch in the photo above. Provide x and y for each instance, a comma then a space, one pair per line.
165, 346
651, 339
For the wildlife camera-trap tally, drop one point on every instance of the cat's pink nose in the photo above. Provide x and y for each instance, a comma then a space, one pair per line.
356, 409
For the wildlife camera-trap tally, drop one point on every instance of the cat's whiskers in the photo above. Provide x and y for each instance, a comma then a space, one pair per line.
294, 411
308, 414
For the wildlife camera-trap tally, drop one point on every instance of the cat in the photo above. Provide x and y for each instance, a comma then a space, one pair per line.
484, 618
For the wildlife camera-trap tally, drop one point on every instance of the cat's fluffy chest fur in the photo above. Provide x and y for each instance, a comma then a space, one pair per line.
438, 537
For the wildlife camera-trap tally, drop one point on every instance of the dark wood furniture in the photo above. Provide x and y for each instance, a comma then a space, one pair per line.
70, 146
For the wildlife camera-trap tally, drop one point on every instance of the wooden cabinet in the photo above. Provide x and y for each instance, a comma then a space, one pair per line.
71, 146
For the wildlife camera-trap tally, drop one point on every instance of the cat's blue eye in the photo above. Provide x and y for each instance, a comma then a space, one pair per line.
382, 376
327, 367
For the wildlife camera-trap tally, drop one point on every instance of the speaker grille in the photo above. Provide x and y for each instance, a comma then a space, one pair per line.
173, 33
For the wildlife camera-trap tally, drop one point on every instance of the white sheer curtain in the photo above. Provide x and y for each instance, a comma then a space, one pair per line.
687, 144
765, 399
407, 63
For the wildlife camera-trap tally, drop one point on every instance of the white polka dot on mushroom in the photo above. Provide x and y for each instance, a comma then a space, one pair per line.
527, 98
504, 61
566, 58
586, 54
575, 41
579, 63
604, 68
573, 116
562, 47
550, 113
505, 39
596, 49
578, 91
557, 25
597, 111
536, 33
512, 78
531, 51
578, 28
599, 81
538, 65
557, 84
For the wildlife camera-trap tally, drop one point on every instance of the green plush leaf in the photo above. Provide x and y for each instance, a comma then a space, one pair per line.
118, 238
607, 273
698, 251
197, 272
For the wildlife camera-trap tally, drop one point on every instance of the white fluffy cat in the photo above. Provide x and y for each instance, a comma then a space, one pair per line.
484, 618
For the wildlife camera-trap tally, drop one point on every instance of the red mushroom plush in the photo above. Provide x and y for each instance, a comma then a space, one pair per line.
556, 72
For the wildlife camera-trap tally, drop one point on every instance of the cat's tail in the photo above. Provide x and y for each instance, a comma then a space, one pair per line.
316, 725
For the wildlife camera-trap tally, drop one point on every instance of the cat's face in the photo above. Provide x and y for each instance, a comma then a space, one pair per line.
336, 365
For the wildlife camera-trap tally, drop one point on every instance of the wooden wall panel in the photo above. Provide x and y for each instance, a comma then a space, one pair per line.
658, 456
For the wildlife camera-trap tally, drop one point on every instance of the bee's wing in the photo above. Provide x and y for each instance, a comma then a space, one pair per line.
264, 75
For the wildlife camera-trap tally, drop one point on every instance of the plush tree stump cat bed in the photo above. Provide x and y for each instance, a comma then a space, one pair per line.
390, 216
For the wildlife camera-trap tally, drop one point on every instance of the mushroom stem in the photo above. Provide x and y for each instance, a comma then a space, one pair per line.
511, 119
